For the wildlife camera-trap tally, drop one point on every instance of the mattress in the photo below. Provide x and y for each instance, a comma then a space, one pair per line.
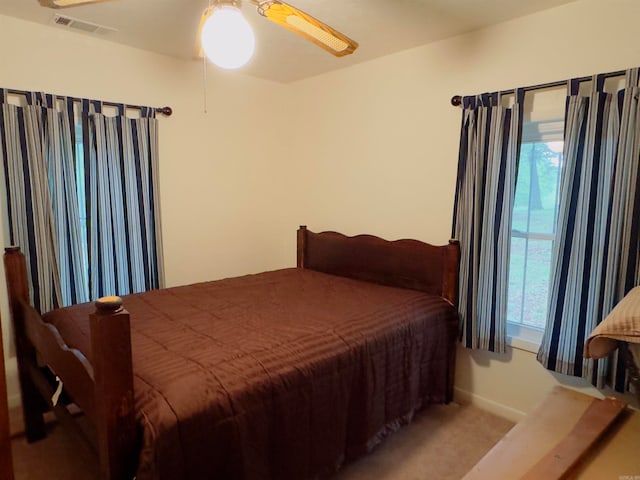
279, 375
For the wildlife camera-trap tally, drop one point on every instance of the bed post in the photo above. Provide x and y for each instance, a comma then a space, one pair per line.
33, 406
450, 279
302, 246
115, 414
450, 276
6, 462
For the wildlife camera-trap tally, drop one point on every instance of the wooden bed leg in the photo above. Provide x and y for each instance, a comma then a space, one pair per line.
451, 273
113, 373
450, 292
6, 462
33, 406
302, 246
451, 371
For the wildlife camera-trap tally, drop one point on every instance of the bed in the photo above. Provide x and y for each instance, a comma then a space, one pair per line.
277, 375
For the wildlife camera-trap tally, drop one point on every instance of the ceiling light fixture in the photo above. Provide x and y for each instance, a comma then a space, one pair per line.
227, 38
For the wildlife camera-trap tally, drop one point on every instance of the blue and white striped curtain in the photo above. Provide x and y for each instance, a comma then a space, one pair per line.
596, 253
38, 159
487, 164
119, 197
125, 244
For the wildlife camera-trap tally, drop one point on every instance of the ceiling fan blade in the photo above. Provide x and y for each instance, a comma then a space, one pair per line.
67, 3
307, 26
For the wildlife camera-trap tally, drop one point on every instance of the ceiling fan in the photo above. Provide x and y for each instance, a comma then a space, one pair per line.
226, 36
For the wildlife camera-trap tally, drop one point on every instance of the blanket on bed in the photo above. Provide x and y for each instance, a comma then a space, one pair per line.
280, 375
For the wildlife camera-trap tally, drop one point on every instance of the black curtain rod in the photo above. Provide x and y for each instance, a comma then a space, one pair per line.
456, 100
162, 110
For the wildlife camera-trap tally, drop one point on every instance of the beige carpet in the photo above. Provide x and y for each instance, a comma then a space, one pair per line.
442, 443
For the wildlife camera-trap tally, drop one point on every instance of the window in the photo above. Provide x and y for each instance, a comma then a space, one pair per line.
81, 194
533, 230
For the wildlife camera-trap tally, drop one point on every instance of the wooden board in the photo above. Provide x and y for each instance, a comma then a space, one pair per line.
616, 455
554, 420
561, 459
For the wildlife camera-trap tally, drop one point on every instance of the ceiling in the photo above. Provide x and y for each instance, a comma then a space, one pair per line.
381, 27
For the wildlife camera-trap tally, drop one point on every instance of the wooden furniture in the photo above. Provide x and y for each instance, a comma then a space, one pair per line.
570, 435
6, 465
103, 386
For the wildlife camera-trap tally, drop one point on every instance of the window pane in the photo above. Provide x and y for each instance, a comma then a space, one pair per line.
544, 174
537, 276
536, 198
516, 280
80, 189
521, 200
529, 275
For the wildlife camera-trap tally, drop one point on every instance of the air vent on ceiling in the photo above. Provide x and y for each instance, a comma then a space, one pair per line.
82, 25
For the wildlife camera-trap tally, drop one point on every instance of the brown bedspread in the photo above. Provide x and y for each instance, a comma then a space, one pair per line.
280, 375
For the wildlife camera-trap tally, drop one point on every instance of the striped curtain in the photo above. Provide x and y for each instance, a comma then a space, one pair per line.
39, 167
121, 168
595, 258
489, 145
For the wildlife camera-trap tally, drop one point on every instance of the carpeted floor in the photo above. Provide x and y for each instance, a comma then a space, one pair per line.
442, 443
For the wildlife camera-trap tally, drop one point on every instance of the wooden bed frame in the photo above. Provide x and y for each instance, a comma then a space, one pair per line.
103, 389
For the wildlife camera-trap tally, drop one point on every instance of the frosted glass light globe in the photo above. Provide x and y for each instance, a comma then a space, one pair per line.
227, 38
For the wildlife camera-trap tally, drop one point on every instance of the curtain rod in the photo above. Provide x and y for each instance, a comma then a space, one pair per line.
162, 110
456, 100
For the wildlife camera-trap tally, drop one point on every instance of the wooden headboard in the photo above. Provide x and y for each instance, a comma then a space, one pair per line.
402, 263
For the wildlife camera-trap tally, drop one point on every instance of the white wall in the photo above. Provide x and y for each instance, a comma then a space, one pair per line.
372, 148
381, 145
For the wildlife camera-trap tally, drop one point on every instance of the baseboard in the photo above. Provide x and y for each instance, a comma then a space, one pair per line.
465, 397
